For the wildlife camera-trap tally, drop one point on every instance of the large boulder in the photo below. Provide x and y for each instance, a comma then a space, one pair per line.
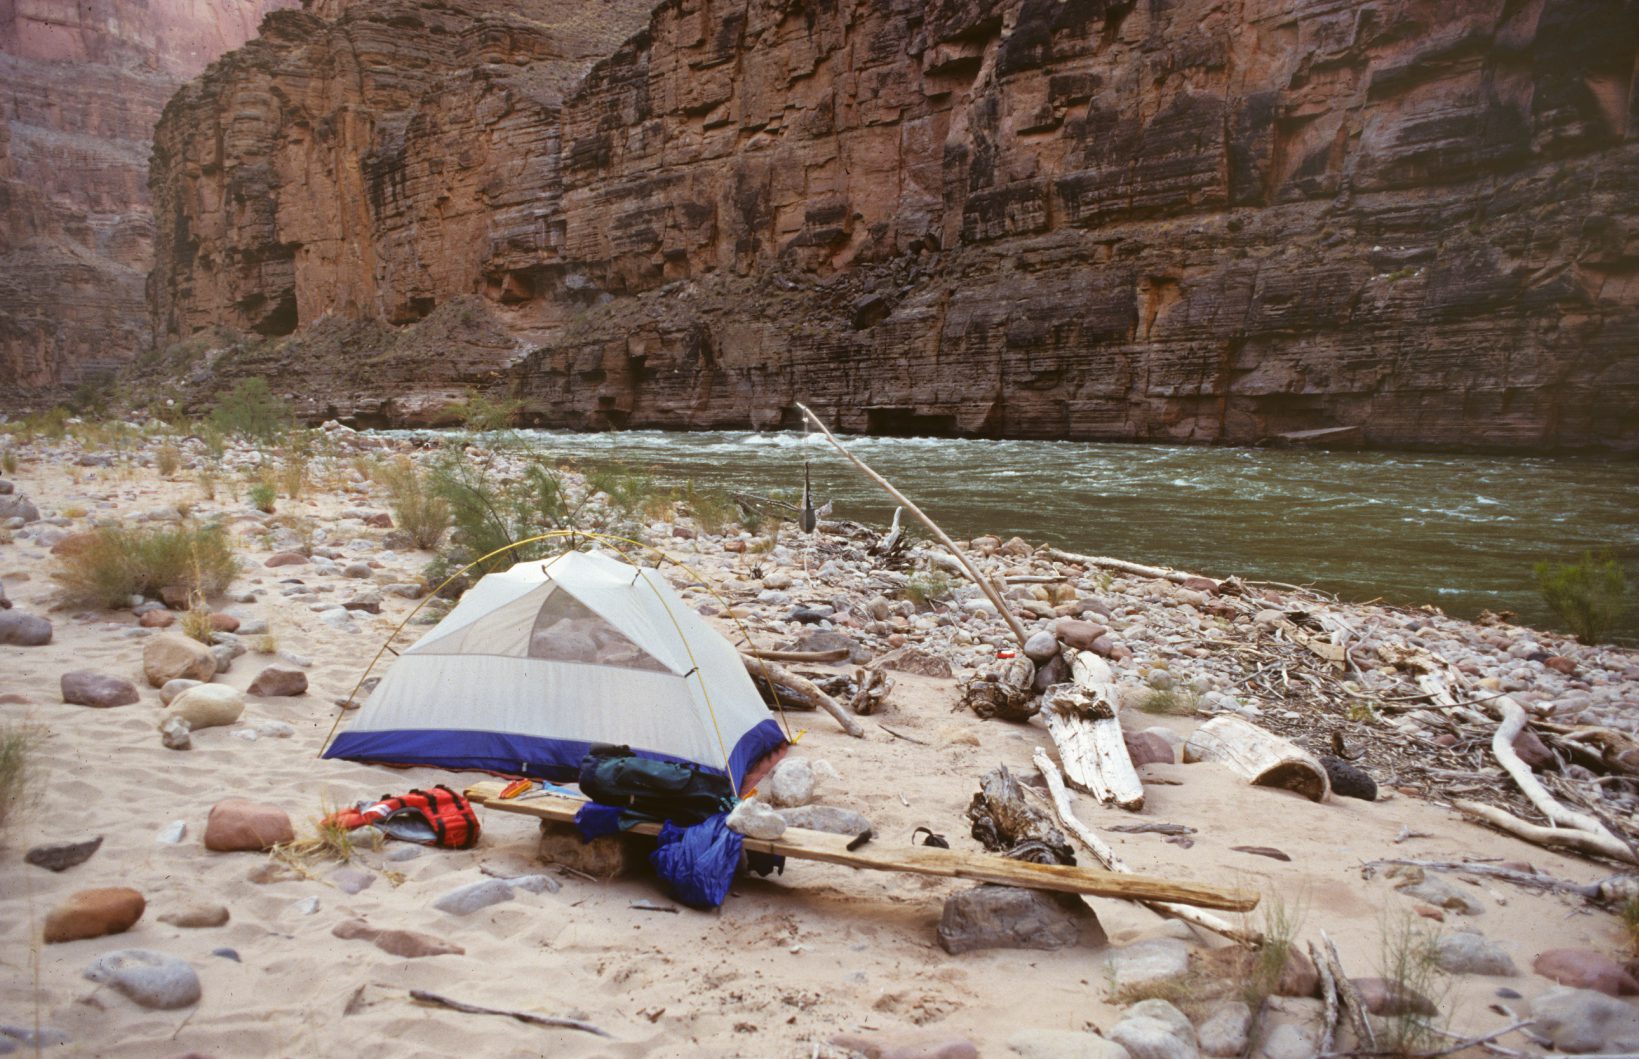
94, 913
207, 706
992, 917
168, 657
1585, 1020
237, 824
16, 505
83, 687
23, 630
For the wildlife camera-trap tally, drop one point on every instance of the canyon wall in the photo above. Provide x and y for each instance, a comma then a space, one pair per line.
81, 85
1194, 220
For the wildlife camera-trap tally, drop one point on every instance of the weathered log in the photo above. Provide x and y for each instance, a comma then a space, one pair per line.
1553, 837
836, 655
1003, 688
1107, 857
1162, 573
1262, 757
893, 540
967, 566
1084, 723
1004, 821
792, 688
1502, 747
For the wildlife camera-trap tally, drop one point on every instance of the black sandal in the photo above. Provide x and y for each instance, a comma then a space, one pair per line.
936, 841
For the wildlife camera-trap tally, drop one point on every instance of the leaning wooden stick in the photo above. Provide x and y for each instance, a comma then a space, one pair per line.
804, 691
967, 566
1107, 857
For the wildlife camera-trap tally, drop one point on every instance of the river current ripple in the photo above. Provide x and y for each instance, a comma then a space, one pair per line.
1458, 531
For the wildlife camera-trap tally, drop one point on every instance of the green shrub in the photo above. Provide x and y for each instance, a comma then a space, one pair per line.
489, 513
18, 770
486, 415
251, 409
418, 509
925, 586
1588, 595
116, 563
262, 495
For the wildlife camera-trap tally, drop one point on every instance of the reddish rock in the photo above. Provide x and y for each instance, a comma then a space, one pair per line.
224, 622
734, 546
1201, 584
915, 660
1561, 664
1445, 739
1148, 748
84, 687
94, 913
1586, 969
157, 619
279, 680
1383, 997
237, 824
1103, 646
1297, 978
406, 944
379, 520
177, 597
278, 559
907, 1046
682, 533
1078, 634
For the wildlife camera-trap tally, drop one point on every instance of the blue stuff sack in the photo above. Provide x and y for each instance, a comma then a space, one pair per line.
698, 863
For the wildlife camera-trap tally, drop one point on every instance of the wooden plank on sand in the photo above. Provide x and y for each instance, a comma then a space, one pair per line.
800, 844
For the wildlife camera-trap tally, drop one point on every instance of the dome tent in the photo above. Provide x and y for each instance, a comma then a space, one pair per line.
538, 663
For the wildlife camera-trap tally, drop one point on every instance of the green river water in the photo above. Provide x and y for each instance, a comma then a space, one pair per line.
1458, 531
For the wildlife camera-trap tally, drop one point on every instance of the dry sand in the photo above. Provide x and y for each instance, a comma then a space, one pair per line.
783, 966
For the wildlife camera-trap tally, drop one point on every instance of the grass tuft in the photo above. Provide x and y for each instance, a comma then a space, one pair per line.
1174, 701
418, 508
18, 769
119, 562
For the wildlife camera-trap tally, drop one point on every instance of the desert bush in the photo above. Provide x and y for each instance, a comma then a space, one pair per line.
1410, 965
262, 495
298, 459
18, 769
167, 459
120, 562
486, 415
418, 508
925, 586
489, 513
251, 409
1589, 595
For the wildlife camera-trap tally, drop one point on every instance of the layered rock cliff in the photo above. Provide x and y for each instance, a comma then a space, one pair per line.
81, 86
1205, 220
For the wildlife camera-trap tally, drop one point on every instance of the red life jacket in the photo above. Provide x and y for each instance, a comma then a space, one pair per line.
447, 815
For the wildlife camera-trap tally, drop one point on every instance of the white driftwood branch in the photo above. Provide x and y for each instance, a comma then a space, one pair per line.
1262, 757
1561, 837
1161, 572
1084, 723
1107, 856
810, 694
1502, 745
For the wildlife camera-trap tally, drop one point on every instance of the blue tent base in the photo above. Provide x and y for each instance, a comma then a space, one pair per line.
558, 760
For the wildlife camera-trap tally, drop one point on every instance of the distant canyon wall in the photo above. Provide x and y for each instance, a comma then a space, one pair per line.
1193, 220
82, 83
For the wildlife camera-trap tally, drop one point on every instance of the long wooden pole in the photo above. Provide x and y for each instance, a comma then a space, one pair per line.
984, 583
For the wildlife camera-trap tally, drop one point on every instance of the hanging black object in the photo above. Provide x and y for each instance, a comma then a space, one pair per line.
809, 518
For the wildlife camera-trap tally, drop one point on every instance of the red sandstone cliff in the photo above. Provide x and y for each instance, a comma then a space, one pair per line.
1173, 219
81, 85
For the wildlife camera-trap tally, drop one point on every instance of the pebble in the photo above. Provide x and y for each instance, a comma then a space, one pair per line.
279, 681
468, 899
150, 979
172, 688
93, 914
1288, 1041
60, 856
172, 833
792, 783
351, 880
23, 630
1585, 1020
175, 733
827, 818
197, 916
357, 570
1148, 962
1465, 952
1224, 1032
307, 906
906, 1046
753, 819
207, 706
227, 954
28, 1037
1154, 1029
237, 824
1041, 646
407, 944
402, 854
535, 884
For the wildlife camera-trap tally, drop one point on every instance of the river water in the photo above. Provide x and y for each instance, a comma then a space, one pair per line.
1458, 531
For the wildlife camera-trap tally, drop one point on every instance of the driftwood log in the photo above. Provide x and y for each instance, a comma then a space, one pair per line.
1550, 837
798, 692
835, 655
1161, 573
1005, 822
1084, 723
1262, 757
1107, 856
1003, 688
871, 687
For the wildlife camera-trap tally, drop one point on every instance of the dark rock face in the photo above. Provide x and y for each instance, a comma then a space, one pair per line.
1197, 220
